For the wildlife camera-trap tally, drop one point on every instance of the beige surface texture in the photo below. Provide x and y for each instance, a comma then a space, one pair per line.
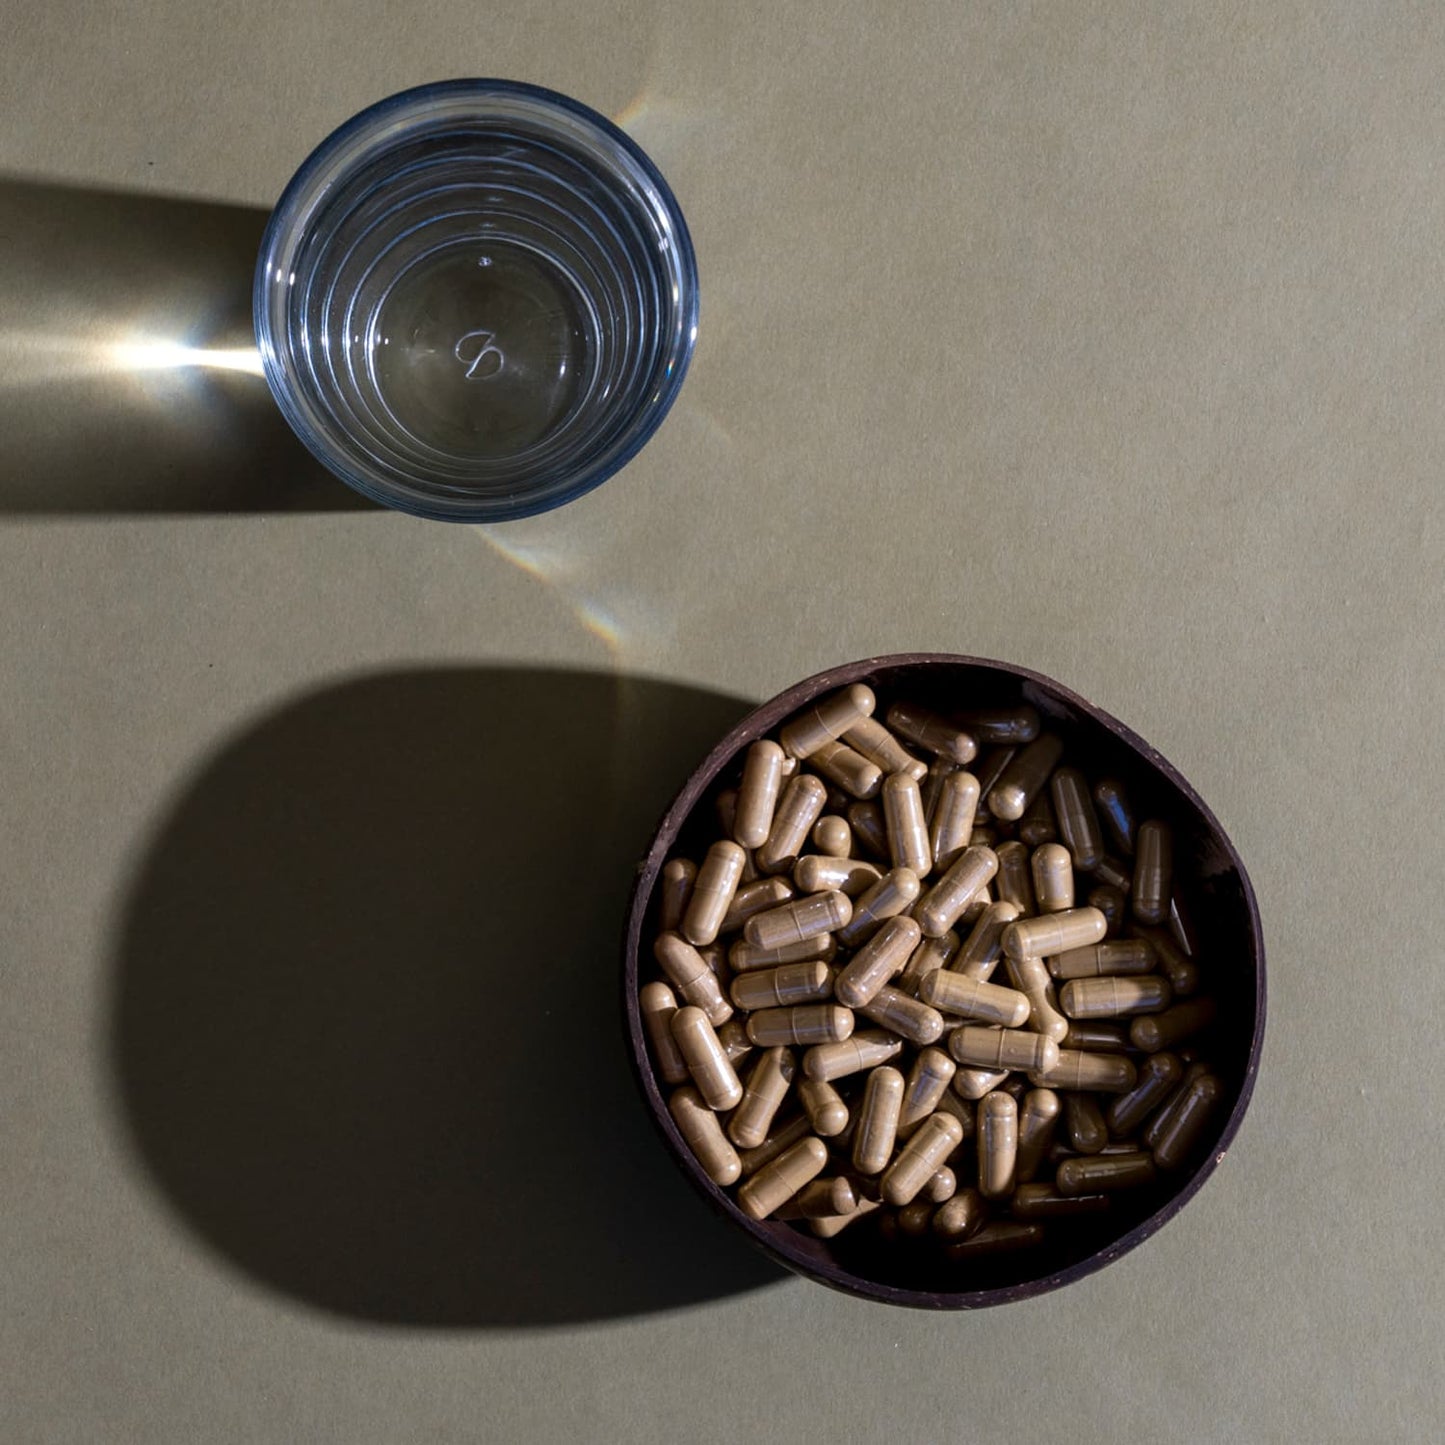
1105, 338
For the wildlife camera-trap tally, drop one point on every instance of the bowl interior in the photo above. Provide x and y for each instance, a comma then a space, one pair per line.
1214, 887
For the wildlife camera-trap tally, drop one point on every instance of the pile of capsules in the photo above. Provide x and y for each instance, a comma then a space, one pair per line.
834, 1022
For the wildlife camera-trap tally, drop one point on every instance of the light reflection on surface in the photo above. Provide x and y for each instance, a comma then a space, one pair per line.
30, 358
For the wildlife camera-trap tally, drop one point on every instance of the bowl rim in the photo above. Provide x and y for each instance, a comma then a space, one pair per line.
288, 212
759, 722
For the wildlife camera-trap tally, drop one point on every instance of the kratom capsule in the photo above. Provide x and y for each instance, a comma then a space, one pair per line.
1084, 1125
762, 781
837, 1223
931, 955
963, 1110
1102, 1173
817, 873
763, 1095
826, 720
1078, 823
866, 822
1052, 872
733, 1036
932, 785
1096, 1034
825, 1198
716, 1079
927, 1083
961, 1216
876, 962
943, 905
971, 1083
798, 919
756, 897
824, 1107
1113, 904
744, 957
986, 1048
869, 737
1112, 998
782, 987
1053, 933
1015, 882
972, 998
1181, 971
1031, 978
688, 973
1173, 1026
950, 821
981, 950
657, 1004
1178, 1133
1038, 1116
878, 1120
783, 1137
1153, 871
1101, 960
1044, 1201
905, 1016
931, 733
988, 770
904, 823
799, 807
997, 1144
848, 770
1158, 1076
894, 893
1037, 826
702, 1130
776, 1183
1007, 726
942, 1183
864, 1050
1075, 1069
1024, 776
802, 1024
1115, 814
712, 892
914, 1219
920, 1158
678, 876
832, 836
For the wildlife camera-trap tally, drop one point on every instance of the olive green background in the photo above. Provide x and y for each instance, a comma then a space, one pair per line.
1108, 339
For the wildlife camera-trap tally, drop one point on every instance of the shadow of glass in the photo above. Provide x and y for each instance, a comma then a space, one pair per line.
129, 381
366, 1032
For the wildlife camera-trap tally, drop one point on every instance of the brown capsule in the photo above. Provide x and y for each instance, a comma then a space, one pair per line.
745, 957
826, 720
942, 1183
799, 807
1084, 1125
914, 1219
1015, 882
1037, 826
802, 1024
877, 1129
930, 732
972, 998
1112, 873
1115, 813
783, 1137
987, 1048
1031, 978
931, 955
1103, 1173
1153, 872
876, 962
733, 1036
944, 904
826, 1198
756, 897
1038, 1116
817, 873
866, 1048
798, 919
866, 822
1158, 1076
776, 1183
1096, 1034
678, 876
998, 1142
905, 1016
950, 820
1052, 872
1044, 1201
688, 973
971, 1083
1181, 971
894, 893
1025, 775
1101, 960
824, 1107
1173, 1026
1009, 726
961, 1216
702, 1130
879, 746
988, 770
1180, 1131
657, 1004
782, 987
1078, 822
726, 805
927, 1083
963, 1110
829, 1228
712, 893
715, 1078
905, 824
932, 785
1112, 998
921, 1157
982, 949
1075, 1069
758, 792
763, 1095
832, 836
1113, 904
716, 958
847, 770
1053, 933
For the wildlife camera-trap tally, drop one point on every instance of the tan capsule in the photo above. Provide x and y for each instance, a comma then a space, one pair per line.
657, 1004
1078, 822
927, 1083
998, 1142
1037, 825
1075, 1069
950, 821
783, 1137
971, 1083
1015, 880
877, 1129
921, 1157
1181, 971
832, 836
932, 786
848, 770
876, 962
802, 1024
776, 1183
930, 732
799, 807
1102, 1173
905, 1016
893, 894
1096, 1034
712, 893
825, 1198
824, 1107
1052, 872
982, 949
942, 1183
687, 971
798, 919
755, 897
829, 1228
716, 958
763, 1095
744, 957
866, 822
1112, 998
971, 998
733, 1036
678, 876
702, 1130
1113, 904
943, 905
1173, 1026
905, 824
866, 1048
1053, 933
1044, 1201
782, 987
826, 720
1038, 1115
1100, 960
1115, 814
931, 955
1024, 776
1153, 871
758, 792
987, 1048
1031, 978
817, 873
1084, 1125
961, 1217
869, 737
714, 1076
1159, 1075
1180, 1131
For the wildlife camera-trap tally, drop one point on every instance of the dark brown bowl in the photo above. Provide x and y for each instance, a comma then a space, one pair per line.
1215, 887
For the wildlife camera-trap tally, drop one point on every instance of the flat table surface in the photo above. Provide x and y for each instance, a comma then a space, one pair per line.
1105, 339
